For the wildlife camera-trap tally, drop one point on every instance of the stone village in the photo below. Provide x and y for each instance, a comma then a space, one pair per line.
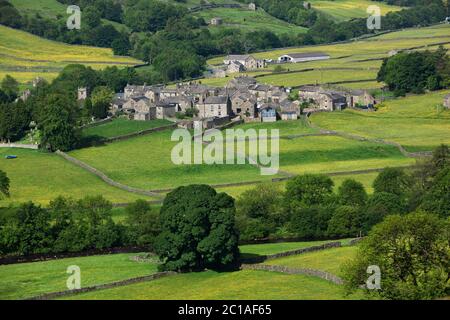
242, 98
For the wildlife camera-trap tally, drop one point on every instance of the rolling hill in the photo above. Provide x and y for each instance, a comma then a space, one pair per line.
25, 56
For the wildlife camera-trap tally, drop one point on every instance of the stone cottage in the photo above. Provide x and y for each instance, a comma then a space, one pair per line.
248, 61
215, 106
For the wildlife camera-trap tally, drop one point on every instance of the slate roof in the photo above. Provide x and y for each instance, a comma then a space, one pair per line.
216, 100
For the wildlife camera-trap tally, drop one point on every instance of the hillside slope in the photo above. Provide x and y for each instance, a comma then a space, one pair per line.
25, 56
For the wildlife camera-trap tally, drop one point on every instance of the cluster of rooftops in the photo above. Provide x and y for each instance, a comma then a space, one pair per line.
242, 97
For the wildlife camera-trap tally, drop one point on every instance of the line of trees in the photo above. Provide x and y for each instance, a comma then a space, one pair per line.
54, 109
69, 225
416, 71
198, 227
310, 209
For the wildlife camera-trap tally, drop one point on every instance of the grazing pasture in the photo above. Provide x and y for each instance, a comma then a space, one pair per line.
40, 177
237, 285
327, 154
145, 162
417, 122
24, 280
247, 20
329, 260
122, 126
277, 247
25, 56
341, 10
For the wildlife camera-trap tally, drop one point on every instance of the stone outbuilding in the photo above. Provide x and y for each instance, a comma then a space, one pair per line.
447, 101
216, 21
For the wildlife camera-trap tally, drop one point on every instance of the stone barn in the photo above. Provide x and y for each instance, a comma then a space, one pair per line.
447, 101
216, 21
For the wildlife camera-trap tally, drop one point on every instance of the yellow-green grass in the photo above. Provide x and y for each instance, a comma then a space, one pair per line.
327, 154
248, 20
145, 162
329, 260
24, 280
318, 76
238, 285
342, 10
286, 128
272, 248
52, 9
47, 8
41, 177
417, 122
19, 49
375, 47
123, 126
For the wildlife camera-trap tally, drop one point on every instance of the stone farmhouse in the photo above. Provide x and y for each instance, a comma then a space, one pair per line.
447, 101
303, 57
330, 100
240, 63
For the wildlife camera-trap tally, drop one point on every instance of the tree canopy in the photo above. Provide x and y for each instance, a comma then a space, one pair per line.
198, 229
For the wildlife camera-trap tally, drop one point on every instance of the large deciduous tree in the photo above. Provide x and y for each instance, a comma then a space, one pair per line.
58, 126
413, 255
101, 101
198, 230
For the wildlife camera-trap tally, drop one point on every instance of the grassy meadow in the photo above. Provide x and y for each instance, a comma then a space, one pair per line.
272, 248
145, 162
341, 10
247, 20
329, 260
352, 61
417, 122
25, 56
246, 284
22, 280
40, 177
327, 154
123, 126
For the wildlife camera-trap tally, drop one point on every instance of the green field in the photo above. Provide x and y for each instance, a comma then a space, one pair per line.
347, 9
145, 162
247, 20
416, 122
122, 126
327, 154
329, 260
41, 177
25, 56
24, 280
18, 281
254, 285
352, 61
272, 248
